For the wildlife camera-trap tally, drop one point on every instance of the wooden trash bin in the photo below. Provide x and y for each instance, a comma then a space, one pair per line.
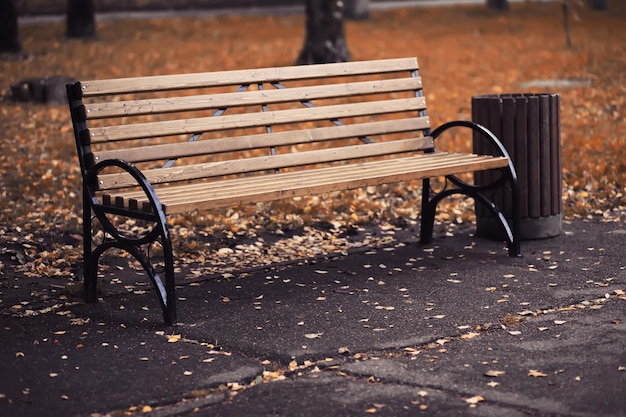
529, 128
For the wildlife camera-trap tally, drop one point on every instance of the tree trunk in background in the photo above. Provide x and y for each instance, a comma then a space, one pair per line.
325, 39
498, 4
9, 32
356, 9
598, 4
81, 19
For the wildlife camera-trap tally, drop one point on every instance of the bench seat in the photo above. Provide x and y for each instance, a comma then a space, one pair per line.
239, 191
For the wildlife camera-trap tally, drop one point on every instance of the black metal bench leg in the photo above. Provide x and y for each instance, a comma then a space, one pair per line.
169, 307
428, 214
166, 291
515, 247
511, 229
90, 266
90, 281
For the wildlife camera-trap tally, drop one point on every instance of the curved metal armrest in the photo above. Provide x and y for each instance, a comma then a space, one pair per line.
488, 134
91, 178
475, 127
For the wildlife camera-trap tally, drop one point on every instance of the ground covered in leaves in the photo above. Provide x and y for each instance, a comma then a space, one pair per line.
463, 51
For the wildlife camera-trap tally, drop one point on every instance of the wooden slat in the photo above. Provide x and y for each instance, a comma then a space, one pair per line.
249, 142
239, 77
286, 177
226, 122
339, 172
269, 162
316, 181
247, 98
545, 207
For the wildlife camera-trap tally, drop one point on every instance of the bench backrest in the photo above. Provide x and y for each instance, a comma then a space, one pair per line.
250, 121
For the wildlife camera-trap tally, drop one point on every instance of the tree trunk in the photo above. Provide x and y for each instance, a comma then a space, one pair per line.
498, 4
598, 4
81, 19
325, 39
356, 9
9, 32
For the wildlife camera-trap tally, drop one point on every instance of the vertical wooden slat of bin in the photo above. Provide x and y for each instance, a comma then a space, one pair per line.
545, 171
475, 144
507, 136
495, 125
480, 115
555, 153
534, 183
521, 152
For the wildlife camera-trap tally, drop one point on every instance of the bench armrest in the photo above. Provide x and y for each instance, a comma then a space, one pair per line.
486, 133
91, 185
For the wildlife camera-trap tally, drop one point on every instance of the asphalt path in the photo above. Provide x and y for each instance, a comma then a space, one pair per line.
453, 328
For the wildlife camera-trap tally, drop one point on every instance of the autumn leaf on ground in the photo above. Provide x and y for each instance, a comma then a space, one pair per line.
474, 400
173, 338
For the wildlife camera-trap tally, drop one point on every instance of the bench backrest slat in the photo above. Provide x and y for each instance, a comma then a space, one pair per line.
262, 75
248, 98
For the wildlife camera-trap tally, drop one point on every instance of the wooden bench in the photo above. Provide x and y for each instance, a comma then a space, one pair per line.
155, 146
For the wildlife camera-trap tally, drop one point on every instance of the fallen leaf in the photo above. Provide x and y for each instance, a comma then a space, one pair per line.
173, 338
537, 374
493, 374
475, 400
